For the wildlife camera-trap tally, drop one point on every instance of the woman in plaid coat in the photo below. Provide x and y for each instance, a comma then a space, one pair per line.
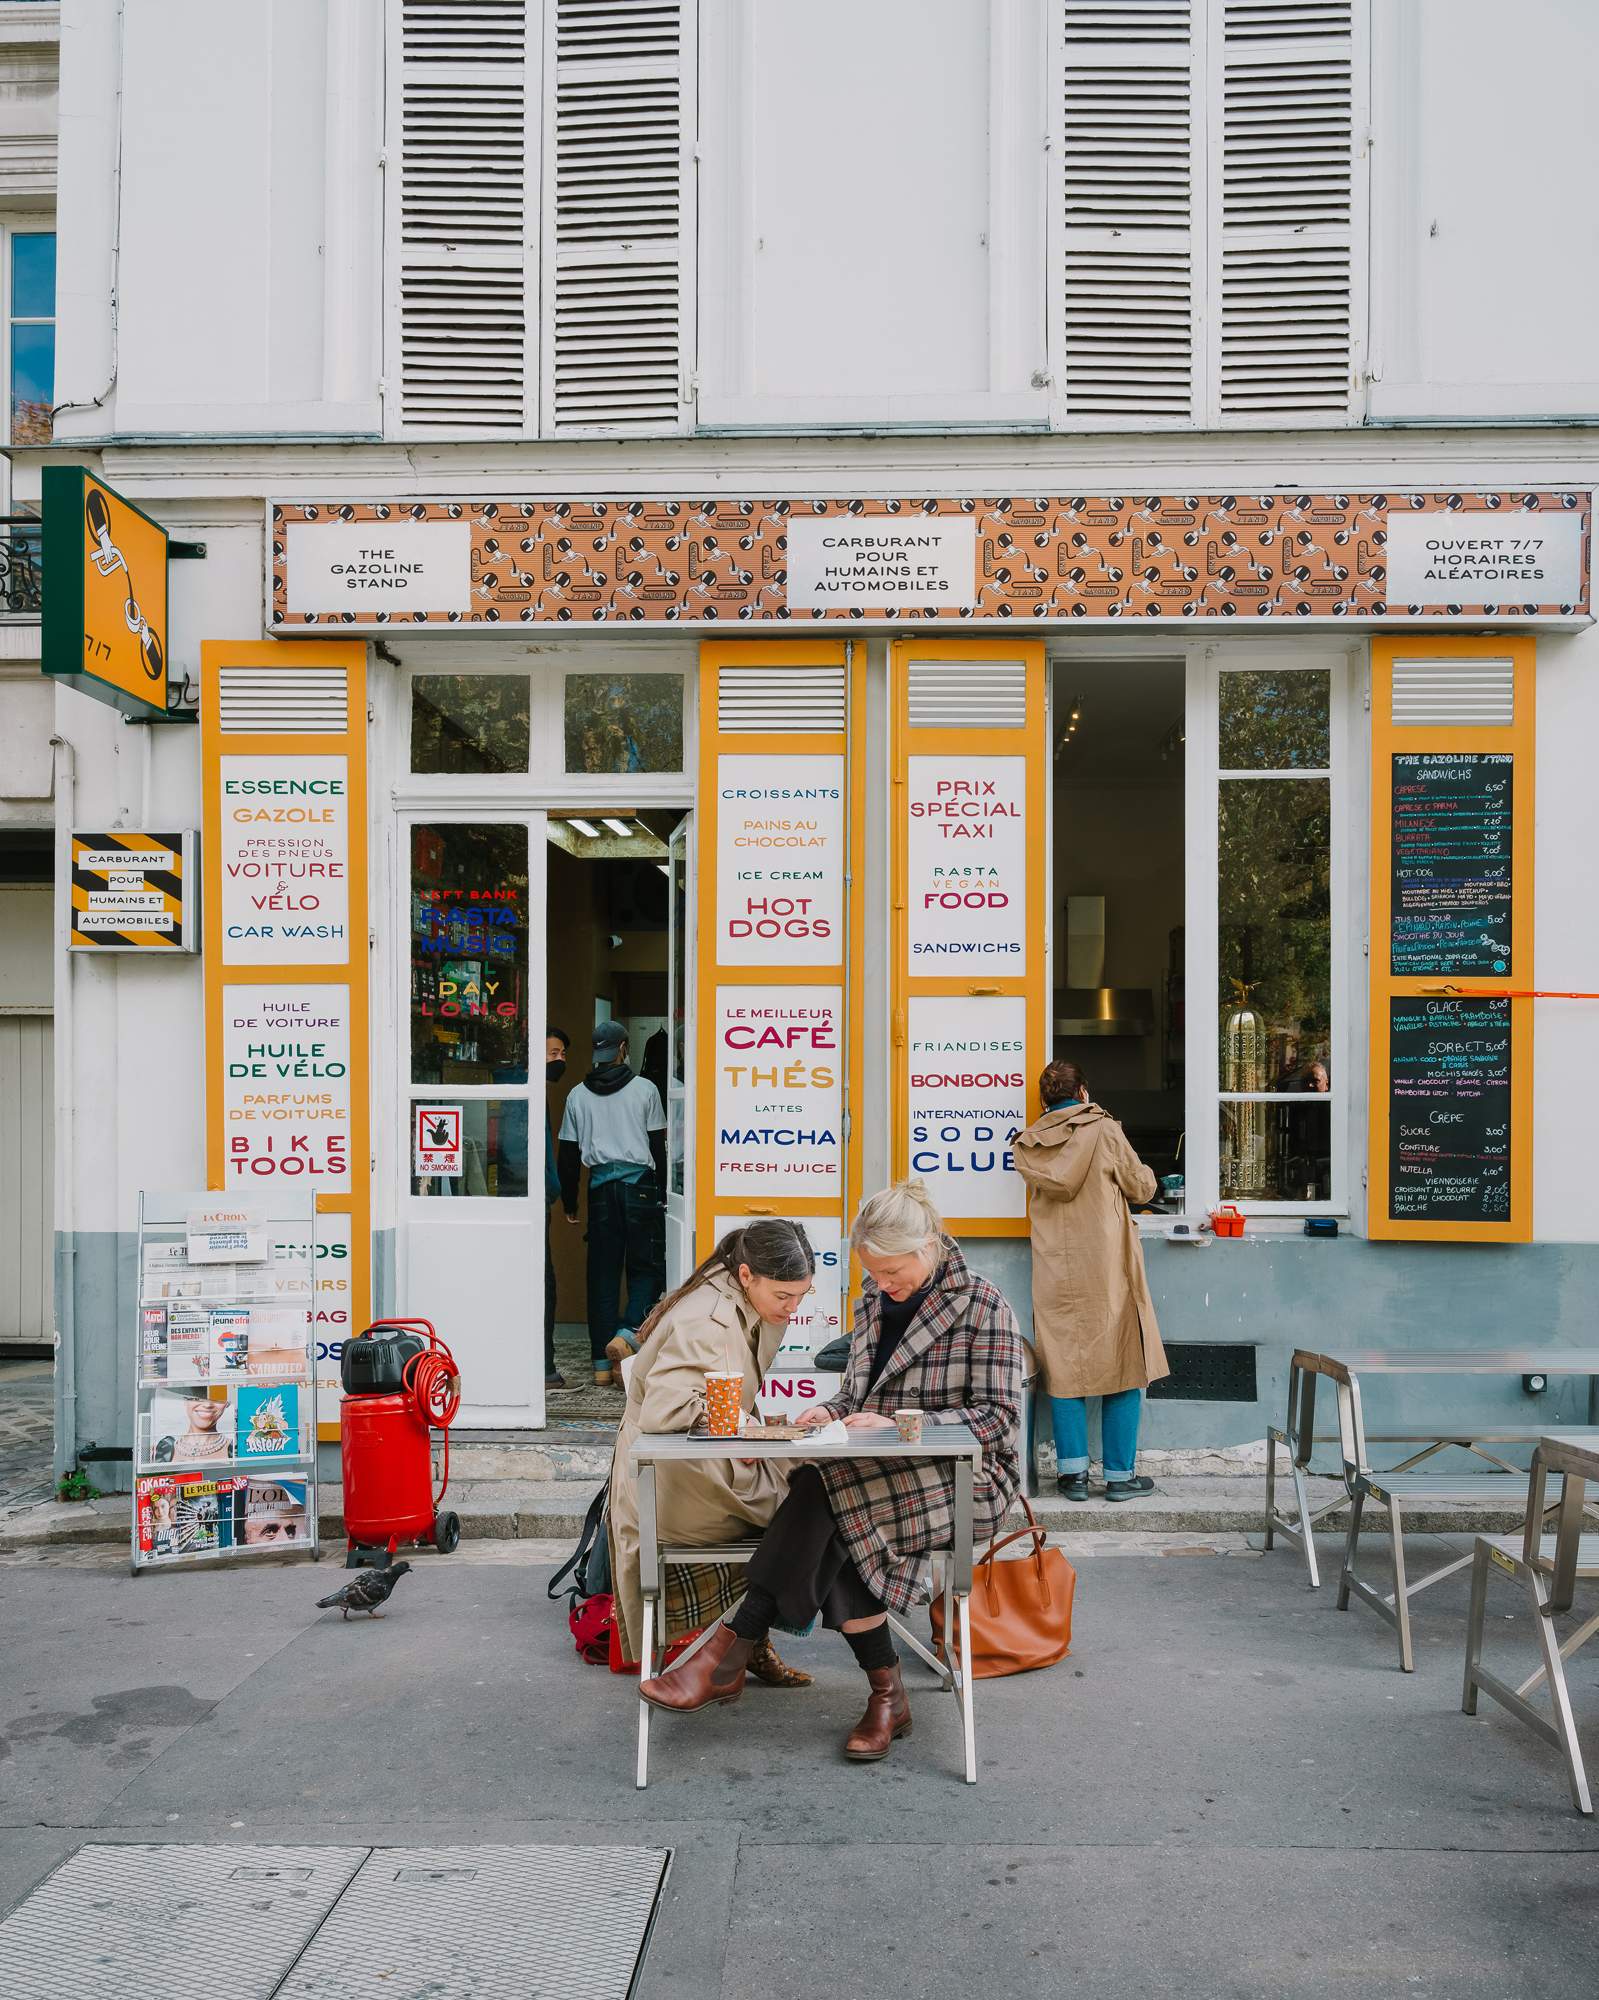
852, 1539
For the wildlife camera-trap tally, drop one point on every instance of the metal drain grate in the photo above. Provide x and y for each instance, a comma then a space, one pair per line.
188, 1923
335, 1923
479, 1923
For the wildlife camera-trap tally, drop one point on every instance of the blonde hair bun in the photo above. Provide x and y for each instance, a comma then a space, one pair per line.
898, 1221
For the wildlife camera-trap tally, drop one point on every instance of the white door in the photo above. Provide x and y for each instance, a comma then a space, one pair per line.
471, 1078
27, 1180
680, 1258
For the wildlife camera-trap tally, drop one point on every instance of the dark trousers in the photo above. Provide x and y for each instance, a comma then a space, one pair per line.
549, 1297
626, 1234
803, 1563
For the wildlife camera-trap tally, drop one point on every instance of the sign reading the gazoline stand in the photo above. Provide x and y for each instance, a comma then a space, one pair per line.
105, 593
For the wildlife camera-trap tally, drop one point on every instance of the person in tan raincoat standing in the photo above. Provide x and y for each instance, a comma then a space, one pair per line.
1093, 1318
728, 1316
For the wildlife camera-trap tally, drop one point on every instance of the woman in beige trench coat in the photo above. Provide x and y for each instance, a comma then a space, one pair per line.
1093, 1319
729, 1316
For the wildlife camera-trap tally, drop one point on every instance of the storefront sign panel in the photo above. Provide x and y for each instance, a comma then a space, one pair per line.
286, 1086
777, 1099
104, 629
1516, 560
285, 860
779, 860
132, 892
332, 1305
730, 561
966, 863
377, 567
967, 1101
890, 562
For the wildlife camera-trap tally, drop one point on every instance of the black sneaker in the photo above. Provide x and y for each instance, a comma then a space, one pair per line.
1073, 1487
1128, 1489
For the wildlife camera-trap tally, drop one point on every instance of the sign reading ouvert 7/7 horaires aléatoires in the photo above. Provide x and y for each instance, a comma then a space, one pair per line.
367, 564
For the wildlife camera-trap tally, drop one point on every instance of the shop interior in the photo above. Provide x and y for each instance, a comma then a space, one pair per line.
1118, 890
608, 892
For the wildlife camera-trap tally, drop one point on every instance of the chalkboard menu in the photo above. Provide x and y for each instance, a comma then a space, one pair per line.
1451, 904
1449, 1110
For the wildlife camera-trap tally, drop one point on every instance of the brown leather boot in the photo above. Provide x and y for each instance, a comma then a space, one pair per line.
770, 1671
715, 1673
888, 1714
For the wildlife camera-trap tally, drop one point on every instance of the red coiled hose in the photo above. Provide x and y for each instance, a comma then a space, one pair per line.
433, 1382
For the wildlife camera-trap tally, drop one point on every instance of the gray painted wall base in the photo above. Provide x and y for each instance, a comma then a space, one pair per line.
1277, 1292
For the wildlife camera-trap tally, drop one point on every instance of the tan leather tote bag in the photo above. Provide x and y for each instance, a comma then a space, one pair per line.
1021, 1610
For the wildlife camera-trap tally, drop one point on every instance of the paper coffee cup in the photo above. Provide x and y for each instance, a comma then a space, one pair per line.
724, 1396
910, 1425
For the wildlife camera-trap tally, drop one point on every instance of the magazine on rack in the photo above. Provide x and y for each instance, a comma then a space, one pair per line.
188, 1514
188, 1342
269, 1421
279, 1336
229, 1342
188, 1427
152, 1343
275, 1514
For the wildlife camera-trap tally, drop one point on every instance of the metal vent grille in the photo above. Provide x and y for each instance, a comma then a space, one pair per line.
283, 701
1208, 1372
968, 694
781, 701
1454, 694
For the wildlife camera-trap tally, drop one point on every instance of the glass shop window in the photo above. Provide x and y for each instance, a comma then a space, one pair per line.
618, 724
470, 723
1275, 936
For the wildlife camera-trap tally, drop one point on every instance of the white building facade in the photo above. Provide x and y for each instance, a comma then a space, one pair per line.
879, 545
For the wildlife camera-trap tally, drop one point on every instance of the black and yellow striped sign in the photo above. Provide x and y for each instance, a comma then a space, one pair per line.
132, 892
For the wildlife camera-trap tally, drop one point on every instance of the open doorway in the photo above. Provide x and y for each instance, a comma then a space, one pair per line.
1118, 896
611, 927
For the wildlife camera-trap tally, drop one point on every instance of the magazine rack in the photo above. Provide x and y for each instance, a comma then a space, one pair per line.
224, 1395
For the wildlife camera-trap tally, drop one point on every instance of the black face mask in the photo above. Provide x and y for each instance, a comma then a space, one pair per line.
554, 1071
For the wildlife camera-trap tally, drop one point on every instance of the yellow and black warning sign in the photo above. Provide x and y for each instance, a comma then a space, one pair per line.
133, 892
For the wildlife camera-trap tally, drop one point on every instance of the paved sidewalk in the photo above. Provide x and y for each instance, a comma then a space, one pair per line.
1228, 1792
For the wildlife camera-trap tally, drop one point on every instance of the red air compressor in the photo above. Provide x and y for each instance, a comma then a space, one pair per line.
400, 1385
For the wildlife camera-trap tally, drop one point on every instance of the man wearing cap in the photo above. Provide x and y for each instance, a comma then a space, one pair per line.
614, 1125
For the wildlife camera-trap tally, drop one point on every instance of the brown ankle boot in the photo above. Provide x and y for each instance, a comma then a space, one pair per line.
888, 1714
772, 1672
715, 1673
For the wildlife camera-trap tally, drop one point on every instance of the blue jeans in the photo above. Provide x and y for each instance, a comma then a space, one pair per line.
627, 1233
1118, 1432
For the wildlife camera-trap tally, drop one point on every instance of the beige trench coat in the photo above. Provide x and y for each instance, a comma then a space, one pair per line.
1093, 1319
716, 1501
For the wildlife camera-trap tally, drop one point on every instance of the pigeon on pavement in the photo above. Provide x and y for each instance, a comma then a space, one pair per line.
365, 1591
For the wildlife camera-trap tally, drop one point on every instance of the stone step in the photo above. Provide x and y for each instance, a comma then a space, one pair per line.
553, 1509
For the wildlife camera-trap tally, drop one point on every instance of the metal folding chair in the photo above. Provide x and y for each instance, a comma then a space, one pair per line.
1546, 1568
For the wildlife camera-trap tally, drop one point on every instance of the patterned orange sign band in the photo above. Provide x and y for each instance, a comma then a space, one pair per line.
1277, 555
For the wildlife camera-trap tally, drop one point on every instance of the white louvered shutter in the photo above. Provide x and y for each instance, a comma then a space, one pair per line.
1287, 202
618, 225
462, 196
1126, 195
1209, 193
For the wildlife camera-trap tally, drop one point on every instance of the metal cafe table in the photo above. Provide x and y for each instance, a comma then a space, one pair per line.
939, 1440
1402, 1486
1547, 1567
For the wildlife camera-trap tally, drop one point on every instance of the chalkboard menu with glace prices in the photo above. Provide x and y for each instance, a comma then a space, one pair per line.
1449, 1109
1452, 860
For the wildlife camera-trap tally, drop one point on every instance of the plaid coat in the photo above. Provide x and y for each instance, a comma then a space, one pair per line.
961, 1355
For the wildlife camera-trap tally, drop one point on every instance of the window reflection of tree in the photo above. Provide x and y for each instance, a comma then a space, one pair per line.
619, 723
